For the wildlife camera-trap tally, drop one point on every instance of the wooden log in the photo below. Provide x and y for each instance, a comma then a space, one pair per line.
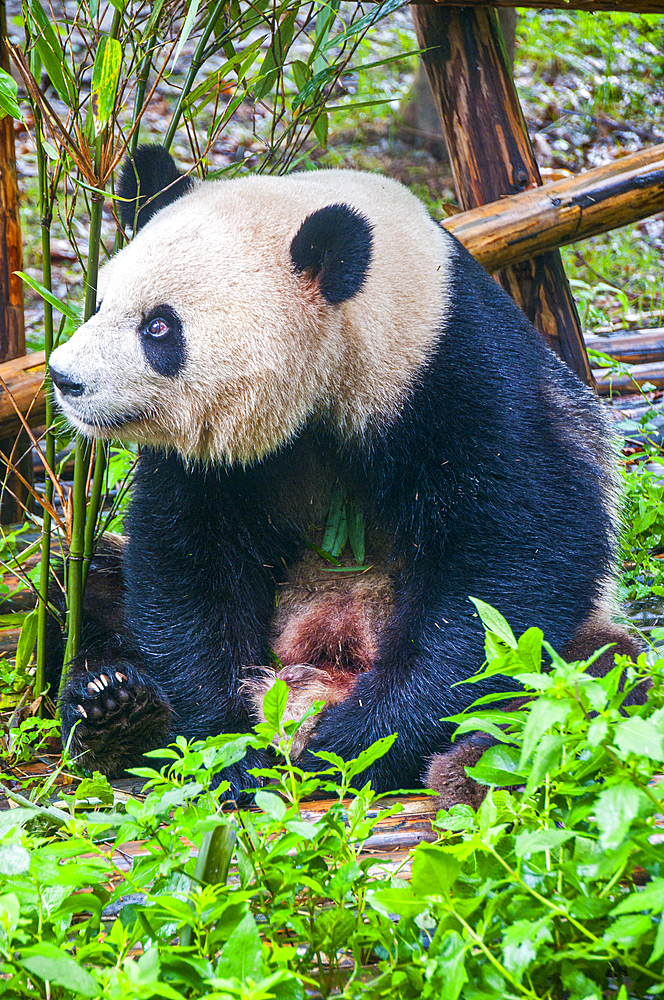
517, 227
24, 379
644, 348
491, 155
13, 495
624, 6
622, 385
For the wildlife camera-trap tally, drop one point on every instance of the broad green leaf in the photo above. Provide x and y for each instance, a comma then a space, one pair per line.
544, 713
59, 968
498, 766
650, 898
521, 942
274, 703
546, 759
641, 737
534, 841
10, 911
8, 93
241, 956
14, 860
579, 986
450, 958
494, 622
371, 754
616, 808
272, 804
302, 828
529, 649
459, 817
96, 787
434, 871
105, 76
401, 901
627, 931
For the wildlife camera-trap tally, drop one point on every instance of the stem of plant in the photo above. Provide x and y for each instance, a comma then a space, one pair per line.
75, 577
46, 214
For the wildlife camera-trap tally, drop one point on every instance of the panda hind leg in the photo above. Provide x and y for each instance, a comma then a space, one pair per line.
112, 713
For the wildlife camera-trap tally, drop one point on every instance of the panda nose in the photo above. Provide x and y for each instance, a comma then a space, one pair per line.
64, 384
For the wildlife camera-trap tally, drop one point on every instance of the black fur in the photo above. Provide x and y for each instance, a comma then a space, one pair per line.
482, 481
162, 338
149, 181
333, 245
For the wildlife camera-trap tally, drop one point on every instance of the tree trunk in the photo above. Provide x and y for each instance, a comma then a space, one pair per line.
491, 155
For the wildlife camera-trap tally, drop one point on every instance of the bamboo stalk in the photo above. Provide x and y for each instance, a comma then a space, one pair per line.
46, 211
82, 454
519, 226
624, 6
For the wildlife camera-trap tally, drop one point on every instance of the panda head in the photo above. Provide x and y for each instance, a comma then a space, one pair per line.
233, 316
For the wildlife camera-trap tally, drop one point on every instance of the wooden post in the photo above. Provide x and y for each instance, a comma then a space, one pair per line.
12, 331
624, 6
491, 155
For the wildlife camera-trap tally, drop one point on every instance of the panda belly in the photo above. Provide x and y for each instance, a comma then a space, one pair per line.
326, 631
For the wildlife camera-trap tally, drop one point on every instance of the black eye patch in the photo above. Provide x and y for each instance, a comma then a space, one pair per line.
162, 339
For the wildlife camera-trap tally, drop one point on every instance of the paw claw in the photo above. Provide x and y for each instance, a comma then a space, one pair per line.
120, 677
104, 680
79, 708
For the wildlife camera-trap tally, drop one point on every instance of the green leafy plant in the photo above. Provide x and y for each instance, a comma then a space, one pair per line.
554, 888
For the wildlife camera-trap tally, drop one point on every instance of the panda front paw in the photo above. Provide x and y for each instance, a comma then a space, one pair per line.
112, 713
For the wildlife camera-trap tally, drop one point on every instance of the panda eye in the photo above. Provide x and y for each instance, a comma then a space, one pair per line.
157, 328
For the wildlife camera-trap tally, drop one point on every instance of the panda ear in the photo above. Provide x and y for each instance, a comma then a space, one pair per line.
149, 181
333, 248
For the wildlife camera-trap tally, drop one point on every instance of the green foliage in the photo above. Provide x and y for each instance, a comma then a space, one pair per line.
535, 895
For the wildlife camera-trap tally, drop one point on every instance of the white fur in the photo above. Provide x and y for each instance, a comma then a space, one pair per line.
265, 351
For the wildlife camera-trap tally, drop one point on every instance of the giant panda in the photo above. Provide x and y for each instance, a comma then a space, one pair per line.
270, 340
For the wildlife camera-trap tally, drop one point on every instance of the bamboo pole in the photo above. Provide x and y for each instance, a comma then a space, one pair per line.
624, 6
543, 218
491, 155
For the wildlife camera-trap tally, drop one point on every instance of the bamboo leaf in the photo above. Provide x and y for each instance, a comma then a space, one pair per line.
26, 642
362, 24
105, 75
51, 53
336, 531
355, 520
319, 124
45, 294
8, 92
275, 55
186, 28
